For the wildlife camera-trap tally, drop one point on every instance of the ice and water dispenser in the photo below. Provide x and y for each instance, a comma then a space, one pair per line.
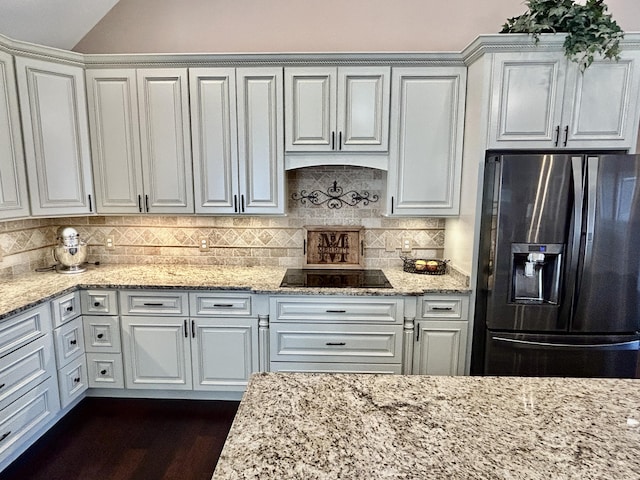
535, 273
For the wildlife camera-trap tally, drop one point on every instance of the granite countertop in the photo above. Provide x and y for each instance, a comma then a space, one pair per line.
349, 426
23, 291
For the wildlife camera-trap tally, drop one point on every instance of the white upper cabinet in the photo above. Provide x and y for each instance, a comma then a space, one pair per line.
13, 181
543, 100
56, 136
425, 152
238, 140
141, 140
343, 109
115, 140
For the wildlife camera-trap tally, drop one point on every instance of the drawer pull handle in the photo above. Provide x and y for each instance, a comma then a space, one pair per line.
76, 380
103, 372
2, 386
97, 304
5, 435
336, 311
442, 309
73, 342
335, 344
223, 305
100, 335
152, 304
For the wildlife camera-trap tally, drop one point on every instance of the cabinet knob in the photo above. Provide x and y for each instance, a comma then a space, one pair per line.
70, 309
103, 372
76, 380
73, 342
100, 335
97, 304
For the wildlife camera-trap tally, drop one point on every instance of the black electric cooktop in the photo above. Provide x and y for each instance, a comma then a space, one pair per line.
297, 277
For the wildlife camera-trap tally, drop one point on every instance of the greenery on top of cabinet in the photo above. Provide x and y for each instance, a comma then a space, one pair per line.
590, 30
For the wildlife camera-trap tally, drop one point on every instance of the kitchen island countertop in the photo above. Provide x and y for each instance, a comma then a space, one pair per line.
341, 426
23, 291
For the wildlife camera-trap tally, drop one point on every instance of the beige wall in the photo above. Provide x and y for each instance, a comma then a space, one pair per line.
156, 26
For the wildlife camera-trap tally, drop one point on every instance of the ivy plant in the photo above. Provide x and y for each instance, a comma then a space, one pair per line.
590, 29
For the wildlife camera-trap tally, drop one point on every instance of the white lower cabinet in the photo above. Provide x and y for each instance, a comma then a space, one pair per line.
215, 352
336, 334
70, 360
441, 335
29, 397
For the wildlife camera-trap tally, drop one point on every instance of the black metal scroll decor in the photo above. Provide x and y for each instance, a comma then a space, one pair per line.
334, 197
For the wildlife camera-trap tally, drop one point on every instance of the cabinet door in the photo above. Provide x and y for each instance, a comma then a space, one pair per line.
425, 159
165, 140
363, 109
156, 353
310, 109
56, 136
214, 139
601, 105
440, 348
225, 352
260, 140
115, 140
526, 100
13, 180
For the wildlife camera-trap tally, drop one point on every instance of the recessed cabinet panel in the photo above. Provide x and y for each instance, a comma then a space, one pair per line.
528, 98
24, 368
99, 302
156, 352
101, 333
213, 129
363, 108
69, 341
425, 162
54, 121
13, 180
441, 348
105, 370
72, 380
115, 140
310, 109
260, 140
18, 330
602, 102
224, 353
165, 140
65, 308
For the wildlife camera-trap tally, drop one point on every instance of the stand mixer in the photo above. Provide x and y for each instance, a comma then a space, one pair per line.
71, 252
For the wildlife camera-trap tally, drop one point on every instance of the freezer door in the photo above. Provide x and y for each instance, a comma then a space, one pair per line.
562, 355
607, 296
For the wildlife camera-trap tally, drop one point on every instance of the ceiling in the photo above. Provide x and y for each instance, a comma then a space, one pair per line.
40, 21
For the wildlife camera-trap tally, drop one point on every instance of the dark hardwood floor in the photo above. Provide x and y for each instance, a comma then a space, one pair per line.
130, 439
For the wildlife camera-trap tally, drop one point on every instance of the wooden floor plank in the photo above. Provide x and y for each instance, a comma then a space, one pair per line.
130, 439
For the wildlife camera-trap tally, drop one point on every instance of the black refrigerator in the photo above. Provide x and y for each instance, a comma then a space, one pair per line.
558, 290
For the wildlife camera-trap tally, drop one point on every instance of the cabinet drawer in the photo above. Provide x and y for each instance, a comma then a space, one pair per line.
101, 333
23, 328
27, 414
154, 303
223, 304
72, 380
336, 343
445, 306
337, 310
99, 302
69, 341
105, 370
24, 368
65, 308
307, 367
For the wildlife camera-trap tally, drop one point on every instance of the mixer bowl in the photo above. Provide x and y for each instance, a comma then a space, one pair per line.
70, 259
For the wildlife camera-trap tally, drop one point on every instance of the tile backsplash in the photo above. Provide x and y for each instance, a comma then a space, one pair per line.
234, 240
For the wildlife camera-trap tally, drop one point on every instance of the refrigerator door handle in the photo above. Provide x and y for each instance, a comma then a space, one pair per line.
630, 345
576, 227
592, 179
